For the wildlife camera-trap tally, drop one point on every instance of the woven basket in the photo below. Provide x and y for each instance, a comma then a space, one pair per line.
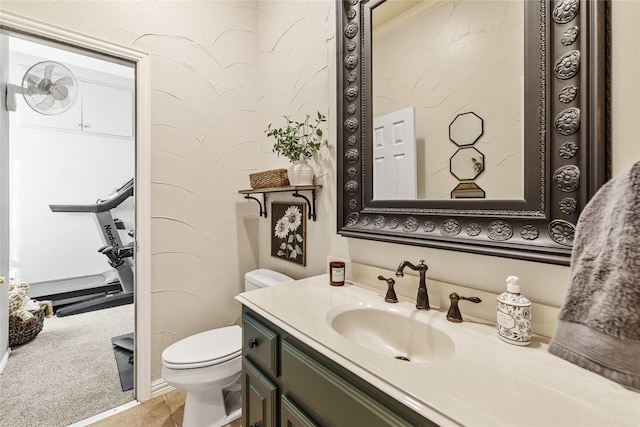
21, 332
270, 178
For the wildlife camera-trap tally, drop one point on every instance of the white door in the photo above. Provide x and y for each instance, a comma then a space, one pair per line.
4, 203
394, 156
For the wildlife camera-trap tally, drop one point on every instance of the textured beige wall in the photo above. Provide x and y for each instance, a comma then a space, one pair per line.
204, 125
296, 77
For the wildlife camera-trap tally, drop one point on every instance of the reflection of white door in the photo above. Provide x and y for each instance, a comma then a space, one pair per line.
394, 156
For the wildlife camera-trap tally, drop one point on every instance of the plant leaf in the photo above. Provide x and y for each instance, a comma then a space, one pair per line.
280, 253
298, 250
299, 238
293, 255
290, 239
283, 245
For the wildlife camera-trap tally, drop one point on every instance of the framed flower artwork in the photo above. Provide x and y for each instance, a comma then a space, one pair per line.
289, 238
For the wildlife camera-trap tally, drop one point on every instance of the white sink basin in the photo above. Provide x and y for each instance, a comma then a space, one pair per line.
395, 331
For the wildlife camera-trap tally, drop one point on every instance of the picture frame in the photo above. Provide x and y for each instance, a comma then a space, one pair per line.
289, 232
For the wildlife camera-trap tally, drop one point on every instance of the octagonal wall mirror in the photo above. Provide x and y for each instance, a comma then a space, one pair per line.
466, 129
504, 113
466, 164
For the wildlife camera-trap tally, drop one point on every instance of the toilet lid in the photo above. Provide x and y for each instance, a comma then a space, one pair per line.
204, 349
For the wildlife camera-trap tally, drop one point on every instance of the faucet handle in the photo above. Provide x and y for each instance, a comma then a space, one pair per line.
454, 314
391, 294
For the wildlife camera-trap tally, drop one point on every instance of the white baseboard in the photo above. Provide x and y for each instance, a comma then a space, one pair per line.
106, 414
5, 359
160, 387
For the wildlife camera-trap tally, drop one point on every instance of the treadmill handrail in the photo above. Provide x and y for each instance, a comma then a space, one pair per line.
113, 200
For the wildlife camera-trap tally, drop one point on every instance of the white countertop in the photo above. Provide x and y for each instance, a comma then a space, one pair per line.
485, 383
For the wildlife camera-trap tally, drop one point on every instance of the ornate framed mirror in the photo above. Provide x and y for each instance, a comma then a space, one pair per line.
477, 126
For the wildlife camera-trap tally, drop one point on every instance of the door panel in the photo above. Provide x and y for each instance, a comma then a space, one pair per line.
4, 201
394, 156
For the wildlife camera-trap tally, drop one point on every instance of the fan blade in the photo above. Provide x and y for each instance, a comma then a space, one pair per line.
64, 102
66, 81
46, 104
32, 86
48, 71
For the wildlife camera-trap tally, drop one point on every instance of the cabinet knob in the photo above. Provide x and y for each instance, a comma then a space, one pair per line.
253, 343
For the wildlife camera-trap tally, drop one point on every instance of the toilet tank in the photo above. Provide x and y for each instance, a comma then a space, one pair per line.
263, 277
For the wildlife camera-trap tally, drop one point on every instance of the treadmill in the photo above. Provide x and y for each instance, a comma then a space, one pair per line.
94, 292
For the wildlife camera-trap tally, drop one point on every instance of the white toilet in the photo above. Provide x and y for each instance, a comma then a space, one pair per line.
208, 366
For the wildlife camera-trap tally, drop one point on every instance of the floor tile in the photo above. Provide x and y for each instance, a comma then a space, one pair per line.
152, 413
166, 410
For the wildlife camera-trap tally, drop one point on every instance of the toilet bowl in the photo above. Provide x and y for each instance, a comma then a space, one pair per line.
208, 365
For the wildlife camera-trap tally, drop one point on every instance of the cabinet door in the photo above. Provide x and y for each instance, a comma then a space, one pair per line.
107, 110
339, 401
259, 397
292, 416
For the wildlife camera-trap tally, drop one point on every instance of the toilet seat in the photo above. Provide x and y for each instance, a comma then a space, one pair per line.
207, 348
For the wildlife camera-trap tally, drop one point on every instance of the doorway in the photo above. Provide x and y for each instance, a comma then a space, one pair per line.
53, 155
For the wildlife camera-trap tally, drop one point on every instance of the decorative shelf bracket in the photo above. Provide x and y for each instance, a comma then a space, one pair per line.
311, 203
263, 211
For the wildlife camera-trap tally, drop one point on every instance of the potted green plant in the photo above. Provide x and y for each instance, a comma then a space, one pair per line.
298, 141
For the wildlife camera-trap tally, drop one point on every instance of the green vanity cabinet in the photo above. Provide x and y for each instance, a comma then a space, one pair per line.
288, 384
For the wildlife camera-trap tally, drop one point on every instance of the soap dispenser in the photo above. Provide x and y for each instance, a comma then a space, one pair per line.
514, 315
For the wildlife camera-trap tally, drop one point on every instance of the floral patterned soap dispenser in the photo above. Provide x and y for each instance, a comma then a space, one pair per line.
514, 315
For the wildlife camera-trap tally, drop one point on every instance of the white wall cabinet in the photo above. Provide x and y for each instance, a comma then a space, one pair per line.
107, 110
99, 109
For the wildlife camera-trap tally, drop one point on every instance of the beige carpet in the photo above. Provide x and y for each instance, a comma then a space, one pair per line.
67, 373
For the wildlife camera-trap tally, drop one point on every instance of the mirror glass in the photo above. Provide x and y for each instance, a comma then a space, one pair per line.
447, 74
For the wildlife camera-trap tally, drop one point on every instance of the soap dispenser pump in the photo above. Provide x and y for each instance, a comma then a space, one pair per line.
514, 315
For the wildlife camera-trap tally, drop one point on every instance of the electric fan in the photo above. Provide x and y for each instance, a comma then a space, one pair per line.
49, 87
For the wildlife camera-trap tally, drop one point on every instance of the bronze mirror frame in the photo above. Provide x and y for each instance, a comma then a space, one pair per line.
566, 147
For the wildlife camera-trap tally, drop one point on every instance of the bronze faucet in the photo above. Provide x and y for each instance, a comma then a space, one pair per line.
422, 300
454, 314
391, 294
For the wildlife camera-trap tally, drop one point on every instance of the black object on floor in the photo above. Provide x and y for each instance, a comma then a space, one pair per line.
123, 346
